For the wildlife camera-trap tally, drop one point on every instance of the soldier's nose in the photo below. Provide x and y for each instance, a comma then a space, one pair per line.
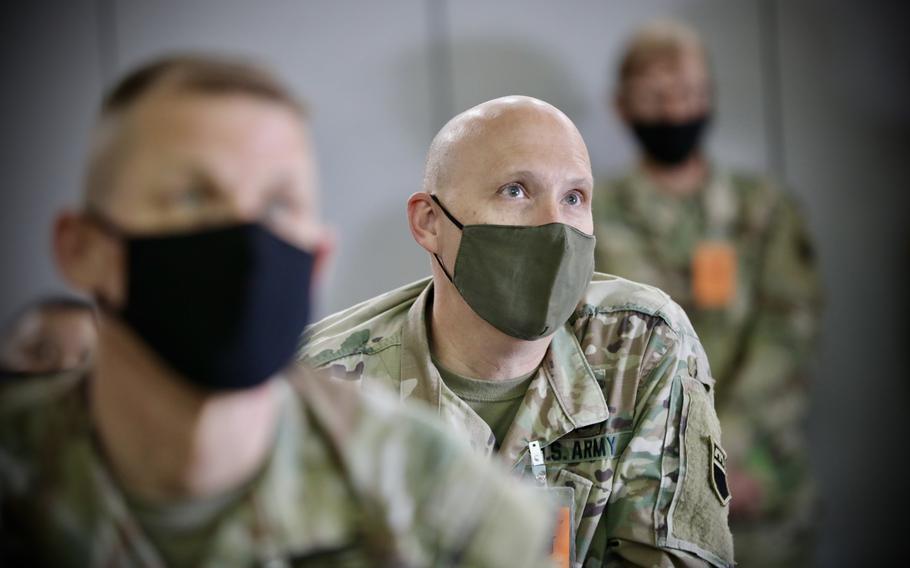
549, 213
244, 211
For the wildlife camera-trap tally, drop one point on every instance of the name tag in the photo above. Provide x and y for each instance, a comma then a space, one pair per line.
594, 448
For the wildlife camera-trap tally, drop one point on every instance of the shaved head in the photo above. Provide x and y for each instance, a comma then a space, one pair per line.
488, 126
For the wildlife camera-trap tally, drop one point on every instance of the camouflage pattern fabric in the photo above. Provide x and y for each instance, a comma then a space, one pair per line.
350, 482
758, 344
622, 404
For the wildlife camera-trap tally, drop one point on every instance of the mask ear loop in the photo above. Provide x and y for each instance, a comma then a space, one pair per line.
455, 222
451, 217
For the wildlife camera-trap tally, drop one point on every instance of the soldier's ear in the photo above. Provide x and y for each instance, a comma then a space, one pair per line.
88, 259
423, 220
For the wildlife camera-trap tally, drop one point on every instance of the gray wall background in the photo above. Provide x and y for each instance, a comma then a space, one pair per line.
814, 92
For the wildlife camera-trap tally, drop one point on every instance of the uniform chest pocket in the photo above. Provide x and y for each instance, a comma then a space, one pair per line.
581, 488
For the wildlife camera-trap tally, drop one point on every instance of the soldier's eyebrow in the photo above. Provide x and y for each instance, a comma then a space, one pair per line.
584, 183
283, 186
523, 176
184, 172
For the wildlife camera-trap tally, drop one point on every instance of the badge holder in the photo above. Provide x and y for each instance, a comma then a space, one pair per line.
714, 274
562, 503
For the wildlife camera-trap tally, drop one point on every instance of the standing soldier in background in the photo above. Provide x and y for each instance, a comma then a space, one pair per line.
733, 251
185, 443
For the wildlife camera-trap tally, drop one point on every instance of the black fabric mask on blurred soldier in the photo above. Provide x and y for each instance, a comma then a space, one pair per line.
523, 280
224, 307
670, 143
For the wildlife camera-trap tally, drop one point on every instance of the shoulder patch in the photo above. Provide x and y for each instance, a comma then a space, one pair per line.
719, 472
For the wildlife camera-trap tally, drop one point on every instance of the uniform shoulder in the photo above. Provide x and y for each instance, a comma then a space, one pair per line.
609, 294
616, 179
363, 422
608, 194
755, 188
420, 474
369, 326
761, 199
39, 410
28, 396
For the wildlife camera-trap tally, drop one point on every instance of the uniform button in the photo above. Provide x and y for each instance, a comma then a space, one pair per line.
693, 367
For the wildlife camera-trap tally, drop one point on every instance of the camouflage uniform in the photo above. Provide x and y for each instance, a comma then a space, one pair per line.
622, 404
758, 345
350, 482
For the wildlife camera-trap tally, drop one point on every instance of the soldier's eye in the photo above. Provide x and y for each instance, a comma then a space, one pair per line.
513, 191
192, 197
43, 352
277, 206
574, 198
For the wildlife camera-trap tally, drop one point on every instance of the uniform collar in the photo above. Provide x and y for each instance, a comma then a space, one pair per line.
564, 394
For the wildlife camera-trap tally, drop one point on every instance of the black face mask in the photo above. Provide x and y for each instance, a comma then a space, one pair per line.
670, 143
223, 307
12, 375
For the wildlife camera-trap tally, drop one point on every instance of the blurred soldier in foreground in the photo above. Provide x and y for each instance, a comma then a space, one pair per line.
51, 335
589, 384
734, 252
184, 445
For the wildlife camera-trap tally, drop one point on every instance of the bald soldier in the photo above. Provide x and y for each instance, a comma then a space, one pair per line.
185, 444
586, 383
735, 252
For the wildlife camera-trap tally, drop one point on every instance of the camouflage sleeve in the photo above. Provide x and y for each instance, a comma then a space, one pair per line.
765, 402
427, 497
511, 529
471, 512
669, 501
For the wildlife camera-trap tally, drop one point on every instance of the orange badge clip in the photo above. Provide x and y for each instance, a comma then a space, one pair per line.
562, 538
713, 274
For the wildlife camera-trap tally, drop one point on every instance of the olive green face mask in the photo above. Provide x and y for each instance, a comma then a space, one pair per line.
524, 281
